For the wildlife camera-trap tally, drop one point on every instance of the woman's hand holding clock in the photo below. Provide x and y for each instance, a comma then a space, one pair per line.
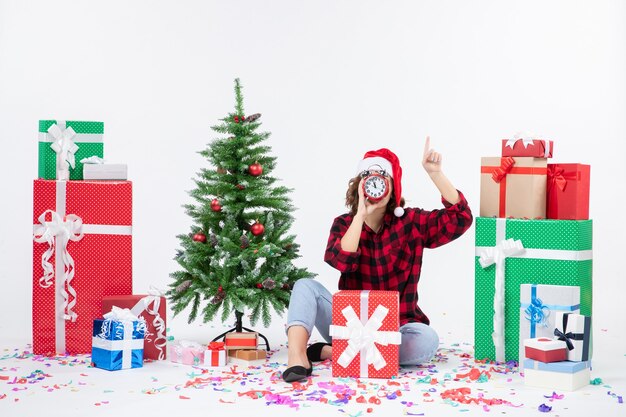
367, 207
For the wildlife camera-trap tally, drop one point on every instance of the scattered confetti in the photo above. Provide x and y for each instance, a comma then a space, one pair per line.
554, 396
449, 381
544, 408
461, 395
620, 400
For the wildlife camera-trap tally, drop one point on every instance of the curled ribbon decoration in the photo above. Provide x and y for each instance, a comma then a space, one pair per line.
497, 255
63, 145
59, 231
216, 346
363, 337
154, 300
537, 312
524, 137
500, 173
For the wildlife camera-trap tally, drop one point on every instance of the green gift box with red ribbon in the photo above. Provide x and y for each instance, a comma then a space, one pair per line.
568, 191
511, 252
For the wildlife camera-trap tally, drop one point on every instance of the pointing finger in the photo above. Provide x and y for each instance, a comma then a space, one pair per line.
426, 146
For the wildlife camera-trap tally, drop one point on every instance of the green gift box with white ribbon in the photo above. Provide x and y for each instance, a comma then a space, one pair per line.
511, 252
63, 144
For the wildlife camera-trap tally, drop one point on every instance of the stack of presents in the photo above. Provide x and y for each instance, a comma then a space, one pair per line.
82, 256
239, 345
533, 277
533, 265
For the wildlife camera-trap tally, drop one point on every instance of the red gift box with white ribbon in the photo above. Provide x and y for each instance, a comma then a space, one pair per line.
82, 252
150, 307
527, 146
365, 330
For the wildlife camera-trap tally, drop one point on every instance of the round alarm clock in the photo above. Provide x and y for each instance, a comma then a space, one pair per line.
375, 187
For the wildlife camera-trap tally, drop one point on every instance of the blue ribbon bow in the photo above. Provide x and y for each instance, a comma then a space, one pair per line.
537, 312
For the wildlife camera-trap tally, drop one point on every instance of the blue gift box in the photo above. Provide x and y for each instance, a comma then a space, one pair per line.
565, 367
117, 344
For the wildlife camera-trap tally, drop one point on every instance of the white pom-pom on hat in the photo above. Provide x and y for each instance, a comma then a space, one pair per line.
398, 211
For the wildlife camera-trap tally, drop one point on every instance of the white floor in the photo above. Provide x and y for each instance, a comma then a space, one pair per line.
31, 386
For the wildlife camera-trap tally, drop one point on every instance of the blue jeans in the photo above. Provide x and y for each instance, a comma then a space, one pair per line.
311, 306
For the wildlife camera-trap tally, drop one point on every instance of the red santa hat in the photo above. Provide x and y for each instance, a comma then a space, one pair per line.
384, 159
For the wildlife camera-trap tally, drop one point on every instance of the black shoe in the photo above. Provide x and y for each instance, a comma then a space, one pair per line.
297, 373
314, 352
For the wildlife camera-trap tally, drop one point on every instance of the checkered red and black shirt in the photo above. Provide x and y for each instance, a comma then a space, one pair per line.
391, 259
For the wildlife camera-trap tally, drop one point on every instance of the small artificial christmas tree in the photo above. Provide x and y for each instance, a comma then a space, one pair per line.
239, 254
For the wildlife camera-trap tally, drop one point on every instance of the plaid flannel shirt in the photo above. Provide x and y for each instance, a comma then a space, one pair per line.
391, 259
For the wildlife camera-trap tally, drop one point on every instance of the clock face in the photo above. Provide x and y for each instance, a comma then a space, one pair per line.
375, 187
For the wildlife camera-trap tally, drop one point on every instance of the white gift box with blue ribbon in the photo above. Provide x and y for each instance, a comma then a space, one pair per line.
538, 307
118, 341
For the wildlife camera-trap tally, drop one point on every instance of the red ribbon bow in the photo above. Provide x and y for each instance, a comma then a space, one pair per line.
505, 167
555, 177
216, 346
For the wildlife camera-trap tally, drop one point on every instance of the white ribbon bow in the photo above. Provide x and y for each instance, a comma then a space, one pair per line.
95, 160
61, 231
154, 299
363, 337
120, 314
63, 145
497, 255
526, 138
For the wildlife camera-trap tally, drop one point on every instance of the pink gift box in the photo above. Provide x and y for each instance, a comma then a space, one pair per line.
186, 352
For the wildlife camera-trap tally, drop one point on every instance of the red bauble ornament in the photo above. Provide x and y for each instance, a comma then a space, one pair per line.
236, 119
215, 205
255, 169
220, 289
199, 237
257, 229
259, 285
241, 187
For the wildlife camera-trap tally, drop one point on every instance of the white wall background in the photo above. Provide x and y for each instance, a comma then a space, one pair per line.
332, 80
